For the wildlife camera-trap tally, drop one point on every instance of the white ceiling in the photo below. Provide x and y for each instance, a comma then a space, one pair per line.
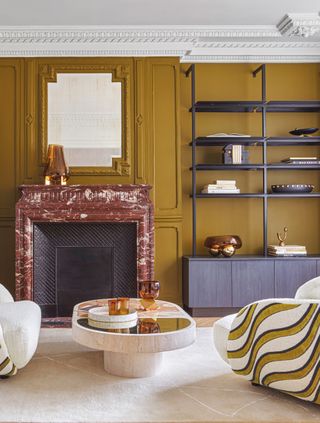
150, 12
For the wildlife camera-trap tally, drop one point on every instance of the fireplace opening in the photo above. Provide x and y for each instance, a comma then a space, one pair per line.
75, 262
82, 273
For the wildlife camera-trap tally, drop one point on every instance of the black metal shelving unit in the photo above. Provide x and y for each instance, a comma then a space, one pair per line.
264, 142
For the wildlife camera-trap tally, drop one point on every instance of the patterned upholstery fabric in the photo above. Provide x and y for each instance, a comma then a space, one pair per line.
7, 367
276, 343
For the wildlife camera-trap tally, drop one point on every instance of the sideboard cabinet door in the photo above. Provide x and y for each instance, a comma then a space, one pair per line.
290, 274
209, 284
252, 281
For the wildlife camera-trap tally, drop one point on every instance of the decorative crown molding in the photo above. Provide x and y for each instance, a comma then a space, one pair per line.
190, 43
299, 25
130, 34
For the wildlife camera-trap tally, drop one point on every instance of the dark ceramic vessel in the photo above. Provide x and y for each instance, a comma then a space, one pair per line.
292, 188
303, 131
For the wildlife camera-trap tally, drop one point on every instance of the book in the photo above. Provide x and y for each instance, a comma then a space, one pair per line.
237, 154
231, 135
289, 159
217, 187
302, 162
221, 191
221, 186
286, 250
286, 254
225, 182
286, 246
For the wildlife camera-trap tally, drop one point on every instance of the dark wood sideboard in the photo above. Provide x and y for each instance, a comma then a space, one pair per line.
220, 286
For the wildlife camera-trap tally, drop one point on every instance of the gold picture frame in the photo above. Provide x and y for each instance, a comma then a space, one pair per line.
120, 73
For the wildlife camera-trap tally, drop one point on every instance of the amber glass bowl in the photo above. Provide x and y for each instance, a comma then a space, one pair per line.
149, 290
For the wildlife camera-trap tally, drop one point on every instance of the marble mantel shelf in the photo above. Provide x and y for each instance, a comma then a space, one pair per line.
127, 195
81, 203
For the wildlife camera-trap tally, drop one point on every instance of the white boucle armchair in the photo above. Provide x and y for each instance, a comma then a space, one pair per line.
276, 342
19, 332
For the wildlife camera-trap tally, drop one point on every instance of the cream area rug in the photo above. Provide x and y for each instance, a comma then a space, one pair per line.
67, 383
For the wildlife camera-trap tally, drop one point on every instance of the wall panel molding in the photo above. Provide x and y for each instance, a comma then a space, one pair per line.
140, 122
11, 133
31, 150
163, 133
163, 168
168, 243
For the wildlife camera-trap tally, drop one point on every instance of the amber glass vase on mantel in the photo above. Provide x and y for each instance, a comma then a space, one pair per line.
56, 171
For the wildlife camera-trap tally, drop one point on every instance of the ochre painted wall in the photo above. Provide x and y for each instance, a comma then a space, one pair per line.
160, 121
154, 146
244, 216
11, 159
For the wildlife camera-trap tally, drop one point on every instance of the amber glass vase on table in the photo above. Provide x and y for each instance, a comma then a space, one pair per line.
148, 292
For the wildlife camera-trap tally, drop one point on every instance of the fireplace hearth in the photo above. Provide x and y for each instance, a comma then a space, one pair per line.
76, 243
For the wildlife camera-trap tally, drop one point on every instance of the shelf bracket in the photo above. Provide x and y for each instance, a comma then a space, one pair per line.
256, 71
189, 70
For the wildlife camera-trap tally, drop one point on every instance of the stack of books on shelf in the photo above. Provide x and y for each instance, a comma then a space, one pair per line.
235, 154
221, 187
287, 250
302, 160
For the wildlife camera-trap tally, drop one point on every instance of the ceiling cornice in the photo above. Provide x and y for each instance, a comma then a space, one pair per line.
303, 25
191, 43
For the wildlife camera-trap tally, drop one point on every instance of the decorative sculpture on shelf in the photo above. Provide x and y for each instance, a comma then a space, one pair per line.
283, 237
223, 244
56, 171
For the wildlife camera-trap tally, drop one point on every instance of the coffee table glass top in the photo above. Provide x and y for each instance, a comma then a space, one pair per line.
143, 326
166, 318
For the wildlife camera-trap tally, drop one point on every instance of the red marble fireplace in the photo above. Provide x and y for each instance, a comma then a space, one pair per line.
61, 228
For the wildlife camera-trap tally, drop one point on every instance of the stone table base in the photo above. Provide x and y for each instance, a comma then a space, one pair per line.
133, 364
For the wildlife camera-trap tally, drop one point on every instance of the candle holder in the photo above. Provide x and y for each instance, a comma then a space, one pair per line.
118, 306
149, 292
123, 305
113, 306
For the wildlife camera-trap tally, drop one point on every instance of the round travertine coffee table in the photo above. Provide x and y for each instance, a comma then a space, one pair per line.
136, 351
